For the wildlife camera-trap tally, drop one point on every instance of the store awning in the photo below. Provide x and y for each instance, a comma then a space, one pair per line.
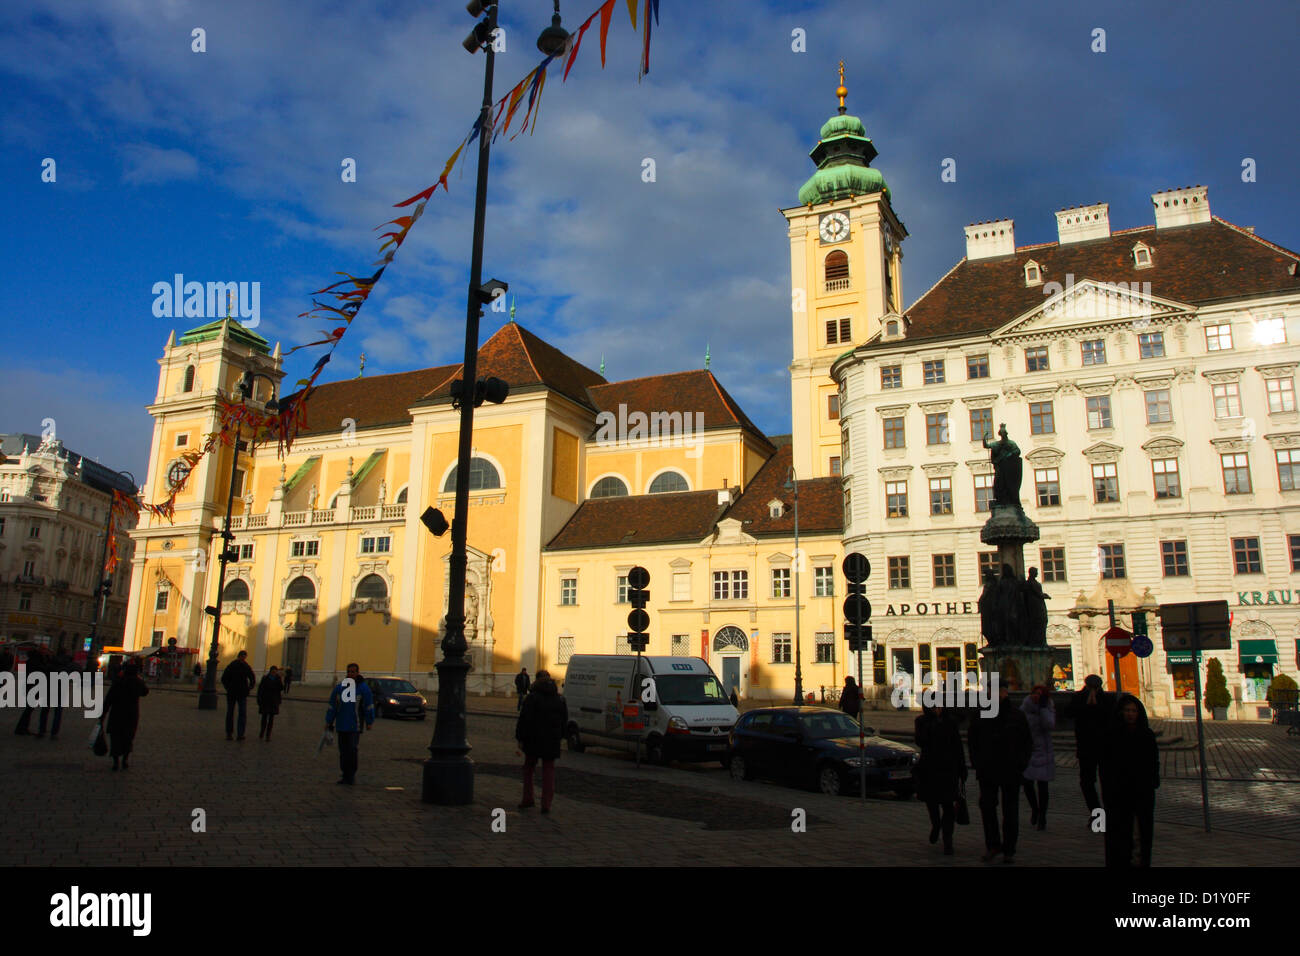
301, 473
1179, 657
360, 474
1258, 651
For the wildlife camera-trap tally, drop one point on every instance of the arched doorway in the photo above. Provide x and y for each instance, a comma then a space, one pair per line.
730, 646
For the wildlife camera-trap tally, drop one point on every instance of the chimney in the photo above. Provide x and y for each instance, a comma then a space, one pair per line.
724, 497
1181, 207
988, 240
1081, 223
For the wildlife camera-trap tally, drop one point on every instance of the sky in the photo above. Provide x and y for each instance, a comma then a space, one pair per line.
226, 165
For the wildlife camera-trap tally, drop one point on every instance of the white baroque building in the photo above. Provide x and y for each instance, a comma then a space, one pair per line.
1148, 376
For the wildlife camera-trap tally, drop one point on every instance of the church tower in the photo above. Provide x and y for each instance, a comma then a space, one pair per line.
175, 562
845, 279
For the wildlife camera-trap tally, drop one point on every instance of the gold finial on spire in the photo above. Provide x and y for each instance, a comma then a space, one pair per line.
841, 91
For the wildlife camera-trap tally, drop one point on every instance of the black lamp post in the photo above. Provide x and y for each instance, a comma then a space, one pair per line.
105, 584
792, 484
449, 771
208, 695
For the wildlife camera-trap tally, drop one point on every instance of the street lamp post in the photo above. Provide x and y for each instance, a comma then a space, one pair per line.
449, 772
792, 484
208, 695
104, 586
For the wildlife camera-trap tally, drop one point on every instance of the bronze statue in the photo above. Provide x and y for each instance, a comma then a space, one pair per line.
1035, 611
1007, 469
1010, 607
989, 623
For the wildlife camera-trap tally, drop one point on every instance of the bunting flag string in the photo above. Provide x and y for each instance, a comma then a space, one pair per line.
351, 292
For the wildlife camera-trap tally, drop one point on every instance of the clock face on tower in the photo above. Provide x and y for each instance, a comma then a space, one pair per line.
178, 472
834, 227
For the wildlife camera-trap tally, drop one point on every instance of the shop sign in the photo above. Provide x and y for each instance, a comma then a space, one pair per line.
1256, 598
933, 607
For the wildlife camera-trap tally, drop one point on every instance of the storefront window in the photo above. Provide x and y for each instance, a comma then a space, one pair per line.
1062, 668
1184, 681
1255, 679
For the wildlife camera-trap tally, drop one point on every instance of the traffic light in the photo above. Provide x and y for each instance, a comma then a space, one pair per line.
637, 618
857, 609
1139, 624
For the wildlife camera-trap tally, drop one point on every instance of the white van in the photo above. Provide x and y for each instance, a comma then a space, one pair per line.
687, 712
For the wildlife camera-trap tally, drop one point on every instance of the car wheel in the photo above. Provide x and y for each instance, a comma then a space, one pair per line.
575, 741
829, 780
739, 768
654, 750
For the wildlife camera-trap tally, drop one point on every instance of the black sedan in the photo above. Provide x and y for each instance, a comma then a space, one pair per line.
395, 697
818, 747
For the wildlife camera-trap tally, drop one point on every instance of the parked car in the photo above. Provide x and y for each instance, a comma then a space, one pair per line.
818, 747
396, 697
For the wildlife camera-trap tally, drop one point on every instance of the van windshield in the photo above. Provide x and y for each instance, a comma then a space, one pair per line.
690, 689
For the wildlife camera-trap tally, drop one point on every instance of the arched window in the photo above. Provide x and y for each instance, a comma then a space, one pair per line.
891, 327
372, 586
668, 482
189, 379
236, 590
482, 475
301, 588
837, 265
401, 497
610, 486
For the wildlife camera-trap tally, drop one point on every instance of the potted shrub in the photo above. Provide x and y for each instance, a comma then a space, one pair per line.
1283, 697
1217, 697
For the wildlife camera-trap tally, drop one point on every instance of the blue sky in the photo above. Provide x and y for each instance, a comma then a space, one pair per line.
225, 165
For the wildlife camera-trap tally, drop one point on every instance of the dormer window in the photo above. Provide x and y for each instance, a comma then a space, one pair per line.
1142, 256
891, 328
775, 508
1033, 273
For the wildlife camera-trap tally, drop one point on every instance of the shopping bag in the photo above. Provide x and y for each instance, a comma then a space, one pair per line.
326, 740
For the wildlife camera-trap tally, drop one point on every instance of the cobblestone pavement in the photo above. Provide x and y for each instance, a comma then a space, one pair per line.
272, 804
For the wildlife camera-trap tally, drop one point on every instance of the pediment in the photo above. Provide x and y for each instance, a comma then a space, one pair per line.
731, 531
1103, 451
1093, 304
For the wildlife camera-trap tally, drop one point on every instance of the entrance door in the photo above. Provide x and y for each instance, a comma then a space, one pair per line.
731, 674
295, 653
1128, 673
901, 665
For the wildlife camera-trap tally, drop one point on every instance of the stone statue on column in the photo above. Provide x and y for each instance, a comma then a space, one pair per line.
1007, 469
1035, 630
989, 624
1010, 607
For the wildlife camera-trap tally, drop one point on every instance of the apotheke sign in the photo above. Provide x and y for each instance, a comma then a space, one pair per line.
949, 607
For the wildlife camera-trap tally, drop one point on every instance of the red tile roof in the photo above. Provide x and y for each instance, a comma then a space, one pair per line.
1194, 264
372, 401
821, 502
686, 393
639, 520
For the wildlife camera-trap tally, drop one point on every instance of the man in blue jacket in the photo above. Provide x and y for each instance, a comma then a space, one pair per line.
350, 703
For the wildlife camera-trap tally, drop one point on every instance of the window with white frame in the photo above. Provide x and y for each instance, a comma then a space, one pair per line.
1281, 394
730, 585
780, 582
681, 585
375, 544
304, 549
564, 649
568, 592
681, 645
782, 648
824, 582
621, 589
1271, 331
1227, 400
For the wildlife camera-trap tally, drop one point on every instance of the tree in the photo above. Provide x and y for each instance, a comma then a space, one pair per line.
1216, 686
1283, 683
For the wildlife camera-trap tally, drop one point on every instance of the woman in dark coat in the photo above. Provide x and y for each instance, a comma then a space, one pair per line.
1040, 713
269, 692
851, 698
941, 771
1130, 775
539, 730
122, 713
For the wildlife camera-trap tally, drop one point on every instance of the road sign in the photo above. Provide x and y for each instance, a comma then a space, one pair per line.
637, 642
1142, 645
857, 609
638, 620
856, 567
1119, 641
638, 577
1213, 624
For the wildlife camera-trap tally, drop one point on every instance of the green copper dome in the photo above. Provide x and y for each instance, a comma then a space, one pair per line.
843, 155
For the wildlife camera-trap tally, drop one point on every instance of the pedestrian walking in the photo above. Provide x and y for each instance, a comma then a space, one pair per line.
62, 664
1091, 710
522, 684
734, 698
851, 699
122, 713
269, 692
351, 704
1041, 716
1000, 747
539, 730
288, 680
238, 679
1130, 776
36, 664
941, 771
198, 675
